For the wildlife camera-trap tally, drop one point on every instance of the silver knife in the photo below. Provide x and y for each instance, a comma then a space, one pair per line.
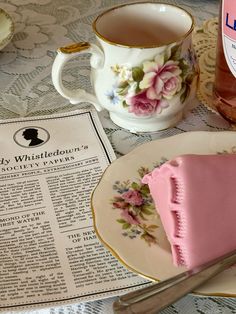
156, 297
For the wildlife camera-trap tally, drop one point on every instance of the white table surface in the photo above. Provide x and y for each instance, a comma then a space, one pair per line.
41, 26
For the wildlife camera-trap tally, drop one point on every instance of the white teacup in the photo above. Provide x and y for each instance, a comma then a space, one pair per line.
143, 68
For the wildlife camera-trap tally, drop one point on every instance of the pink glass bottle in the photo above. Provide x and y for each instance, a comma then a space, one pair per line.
224, 92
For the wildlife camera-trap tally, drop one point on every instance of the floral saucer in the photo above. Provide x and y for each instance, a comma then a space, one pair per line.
125, 218
6, 28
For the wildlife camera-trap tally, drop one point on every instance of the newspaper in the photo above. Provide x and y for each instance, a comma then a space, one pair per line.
50, 254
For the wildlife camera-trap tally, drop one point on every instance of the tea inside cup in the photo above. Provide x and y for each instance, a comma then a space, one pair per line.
144, 24
142, 68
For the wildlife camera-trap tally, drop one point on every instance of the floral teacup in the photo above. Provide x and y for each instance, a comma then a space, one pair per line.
143, 68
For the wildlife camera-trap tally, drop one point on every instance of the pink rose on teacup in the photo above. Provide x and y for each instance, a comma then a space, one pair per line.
141, 105
161, 79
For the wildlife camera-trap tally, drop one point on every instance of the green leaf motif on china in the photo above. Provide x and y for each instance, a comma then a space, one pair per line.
136, 208
149, 87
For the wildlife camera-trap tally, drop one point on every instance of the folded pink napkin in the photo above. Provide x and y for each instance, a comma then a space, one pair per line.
195, 196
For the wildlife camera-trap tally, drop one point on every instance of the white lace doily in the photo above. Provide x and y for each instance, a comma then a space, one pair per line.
205, 40
26, 89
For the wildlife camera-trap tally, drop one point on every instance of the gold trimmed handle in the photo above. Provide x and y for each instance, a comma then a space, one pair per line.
64, 54
77, 47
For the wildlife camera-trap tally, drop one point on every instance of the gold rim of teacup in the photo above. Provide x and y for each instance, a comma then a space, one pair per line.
141, 46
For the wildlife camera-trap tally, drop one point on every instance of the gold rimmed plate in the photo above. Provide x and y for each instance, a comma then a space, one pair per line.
6, 28
124, 216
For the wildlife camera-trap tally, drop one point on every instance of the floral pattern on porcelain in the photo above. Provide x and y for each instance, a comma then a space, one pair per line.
149, 88
136, 207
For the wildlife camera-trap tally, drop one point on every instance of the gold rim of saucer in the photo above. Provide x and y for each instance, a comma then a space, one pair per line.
114, 251
141, 46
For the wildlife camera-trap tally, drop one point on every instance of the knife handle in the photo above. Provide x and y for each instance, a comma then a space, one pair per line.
156, 297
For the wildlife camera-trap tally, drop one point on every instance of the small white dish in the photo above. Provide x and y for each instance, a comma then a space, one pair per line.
139, 240
6, 28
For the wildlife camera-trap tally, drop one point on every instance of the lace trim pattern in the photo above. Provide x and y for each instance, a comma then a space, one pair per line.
205, 41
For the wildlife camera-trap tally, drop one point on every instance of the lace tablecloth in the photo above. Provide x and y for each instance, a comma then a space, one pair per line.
26, 90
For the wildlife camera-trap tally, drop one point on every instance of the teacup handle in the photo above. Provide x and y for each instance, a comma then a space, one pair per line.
64, 54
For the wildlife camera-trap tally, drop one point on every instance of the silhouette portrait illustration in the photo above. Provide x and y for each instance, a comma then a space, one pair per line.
32, 134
